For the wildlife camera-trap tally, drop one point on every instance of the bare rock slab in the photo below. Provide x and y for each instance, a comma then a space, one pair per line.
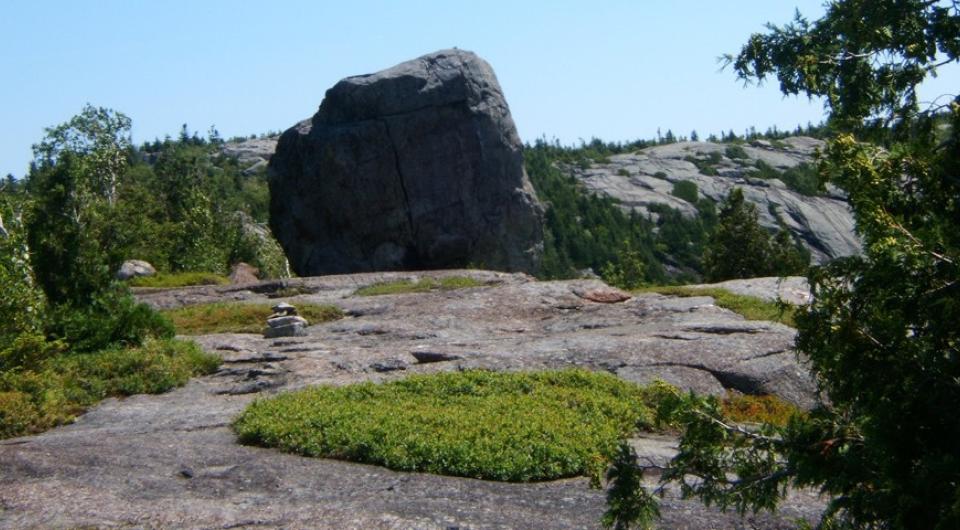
171, 460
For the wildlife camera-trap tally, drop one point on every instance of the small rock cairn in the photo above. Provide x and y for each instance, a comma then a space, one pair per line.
284, 322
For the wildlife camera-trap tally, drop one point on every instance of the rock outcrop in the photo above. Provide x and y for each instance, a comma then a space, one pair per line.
252, 154
134, 268
172, 461
824, 223
284, 322
415, 167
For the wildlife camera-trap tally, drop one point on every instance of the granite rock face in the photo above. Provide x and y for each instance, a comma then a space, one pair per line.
172, 461
415, 167
252, 154
823, 223
134, 268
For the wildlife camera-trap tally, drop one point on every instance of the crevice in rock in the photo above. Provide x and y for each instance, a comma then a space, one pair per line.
722, 330
768, 354
729, 380
400, 179
671, 336
264, 357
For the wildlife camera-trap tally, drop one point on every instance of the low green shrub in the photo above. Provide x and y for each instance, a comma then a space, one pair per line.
426, 284
803, 179
734, 152
496, 426
686, 190
749, 307
706, 167
224, 317
61, 387
741, 408
17, 414
112, 318
179, 279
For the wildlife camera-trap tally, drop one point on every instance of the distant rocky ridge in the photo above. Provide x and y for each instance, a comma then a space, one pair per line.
418, 166
637, 180
253, 154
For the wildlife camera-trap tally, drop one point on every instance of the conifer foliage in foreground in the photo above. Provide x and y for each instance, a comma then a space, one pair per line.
881, 336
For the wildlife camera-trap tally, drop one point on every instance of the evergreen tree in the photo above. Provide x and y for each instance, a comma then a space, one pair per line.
738, 247
881, 335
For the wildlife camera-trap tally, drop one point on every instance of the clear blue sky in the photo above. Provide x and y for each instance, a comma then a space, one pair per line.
617, 70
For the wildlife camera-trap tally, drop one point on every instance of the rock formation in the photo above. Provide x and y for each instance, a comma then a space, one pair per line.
171, 460
284, 322
415, 167
824, 223
252, 154
133, 268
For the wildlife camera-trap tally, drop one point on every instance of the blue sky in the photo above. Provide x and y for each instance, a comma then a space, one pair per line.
617, 70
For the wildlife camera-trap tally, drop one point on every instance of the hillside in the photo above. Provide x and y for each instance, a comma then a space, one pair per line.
777, 176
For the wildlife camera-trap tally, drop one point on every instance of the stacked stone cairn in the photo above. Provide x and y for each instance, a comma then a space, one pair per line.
284, 322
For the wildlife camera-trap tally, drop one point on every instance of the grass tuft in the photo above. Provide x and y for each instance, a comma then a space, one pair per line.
223, 317
179, 279
447, 283
749, 307
498, 426
62, 387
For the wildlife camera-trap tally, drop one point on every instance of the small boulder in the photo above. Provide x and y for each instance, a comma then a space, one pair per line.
241, 273
133, 268
284, 309
296, 329
608, 295
280, 321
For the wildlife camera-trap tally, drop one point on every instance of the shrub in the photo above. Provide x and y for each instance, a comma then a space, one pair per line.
747, 306
179, 279
16, 414
686, 190
769, 409
113, 318
496, 426
629, 272
61, 387
765, 171
222, 317
735, 152
704, 166
421, 286
802, 179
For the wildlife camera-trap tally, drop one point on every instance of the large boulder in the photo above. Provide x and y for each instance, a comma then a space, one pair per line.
415, 167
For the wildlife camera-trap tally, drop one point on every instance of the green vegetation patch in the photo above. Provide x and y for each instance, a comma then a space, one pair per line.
749, 307
448, 283
770, 409
223, 317
179, 279
706, 167
497, 426
686, 190
736, 152
63, 386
